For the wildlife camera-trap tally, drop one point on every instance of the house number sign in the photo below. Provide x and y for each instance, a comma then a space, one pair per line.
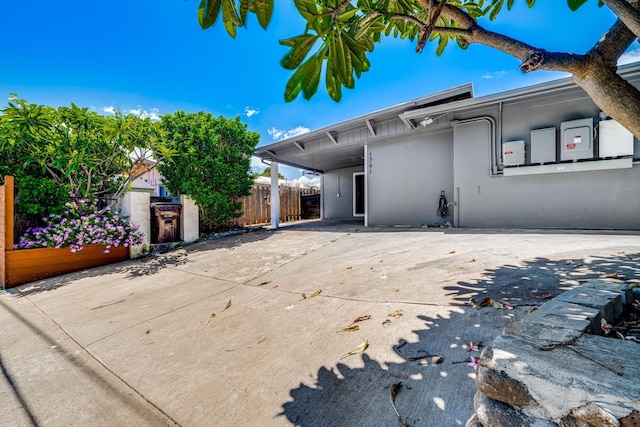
370, 162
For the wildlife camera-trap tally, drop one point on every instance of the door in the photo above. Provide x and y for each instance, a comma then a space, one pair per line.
358, 194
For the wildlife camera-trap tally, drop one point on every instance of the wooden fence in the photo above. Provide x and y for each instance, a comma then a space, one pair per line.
257, 206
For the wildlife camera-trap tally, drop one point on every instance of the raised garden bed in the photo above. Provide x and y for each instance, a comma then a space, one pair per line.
27, 265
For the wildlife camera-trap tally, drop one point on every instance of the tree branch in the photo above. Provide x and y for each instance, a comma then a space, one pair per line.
426, 31
613, 43
627, 12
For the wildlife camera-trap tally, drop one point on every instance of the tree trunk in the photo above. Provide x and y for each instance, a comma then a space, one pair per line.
618, 98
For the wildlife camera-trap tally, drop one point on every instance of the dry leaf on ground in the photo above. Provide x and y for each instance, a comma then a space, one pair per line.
227, 306
361, 348
361, 318
351, 328
316, 293
397, 313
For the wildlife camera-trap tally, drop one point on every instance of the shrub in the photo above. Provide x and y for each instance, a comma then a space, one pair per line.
80, 225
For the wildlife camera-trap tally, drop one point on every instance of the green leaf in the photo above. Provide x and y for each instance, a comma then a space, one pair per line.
245, 6
307, 9
332, 82
575, 4
311, 77
305, 79
208, 12
345, 16
263, 10
230, 17
300, 46
441, 45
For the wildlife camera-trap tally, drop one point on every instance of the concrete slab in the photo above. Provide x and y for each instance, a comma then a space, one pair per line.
273, 357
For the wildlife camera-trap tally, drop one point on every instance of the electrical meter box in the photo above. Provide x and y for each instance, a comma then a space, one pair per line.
513, 153
614, 139
576, 139
543, 145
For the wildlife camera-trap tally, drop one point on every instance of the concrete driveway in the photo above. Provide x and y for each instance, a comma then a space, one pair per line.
244, 330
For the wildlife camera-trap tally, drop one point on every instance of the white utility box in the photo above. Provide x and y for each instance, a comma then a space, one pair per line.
615, 140
576, 139
543, 145
513, 153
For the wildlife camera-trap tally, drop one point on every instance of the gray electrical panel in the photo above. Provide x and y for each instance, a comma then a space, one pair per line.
543, 145
513, 153
576, 139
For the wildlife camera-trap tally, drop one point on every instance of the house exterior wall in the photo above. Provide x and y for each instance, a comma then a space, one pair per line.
405, 178
409, 168
337, 193
602, 199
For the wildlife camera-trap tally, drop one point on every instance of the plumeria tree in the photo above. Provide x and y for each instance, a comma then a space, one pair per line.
340, 34
89, 155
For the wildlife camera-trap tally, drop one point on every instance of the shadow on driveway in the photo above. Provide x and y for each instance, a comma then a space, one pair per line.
442, 394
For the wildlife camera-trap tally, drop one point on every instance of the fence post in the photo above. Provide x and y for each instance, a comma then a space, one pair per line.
9, 194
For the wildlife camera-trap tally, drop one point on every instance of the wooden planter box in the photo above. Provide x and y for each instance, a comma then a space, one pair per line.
27, 265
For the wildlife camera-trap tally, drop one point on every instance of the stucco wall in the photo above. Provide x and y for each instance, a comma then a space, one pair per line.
405, 178
608, 199
135, 204
190, 220
337, 193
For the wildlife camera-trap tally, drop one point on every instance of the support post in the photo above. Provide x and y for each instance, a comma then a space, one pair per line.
275, 196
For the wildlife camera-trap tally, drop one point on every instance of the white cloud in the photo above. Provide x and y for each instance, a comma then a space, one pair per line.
494, 74
153, 114
630, 56
278, 134
109, 110
256, 165
311, 180
248, 111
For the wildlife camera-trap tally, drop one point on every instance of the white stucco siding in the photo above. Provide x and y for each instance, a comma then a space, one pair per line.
607, 199
405, 178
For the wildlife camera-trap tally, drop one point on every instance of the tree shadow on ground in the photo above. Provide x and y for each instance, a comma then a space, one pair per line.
358, 391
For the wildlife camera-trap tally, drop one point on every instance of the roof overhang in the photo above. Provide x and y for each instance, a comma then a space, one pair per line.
341, 145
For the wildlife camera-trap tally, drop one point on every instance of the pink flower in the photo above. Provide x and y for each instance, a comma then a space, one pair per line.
473, 346
474, 362
606, 327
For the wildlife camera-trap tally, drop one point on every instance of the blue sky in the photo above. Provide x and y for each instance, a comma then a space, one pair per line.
151, 57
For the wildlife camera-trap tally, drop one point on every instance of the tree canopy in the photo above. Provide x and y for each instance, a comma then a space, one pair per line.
71, 152
340, 34
213, 163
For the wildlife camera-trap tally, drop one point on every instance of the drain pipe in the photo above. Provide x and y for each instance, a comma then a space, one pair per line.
456, 202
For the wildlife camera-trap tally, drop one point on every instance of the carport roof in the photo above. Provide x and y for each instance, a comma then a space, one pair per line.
335, 147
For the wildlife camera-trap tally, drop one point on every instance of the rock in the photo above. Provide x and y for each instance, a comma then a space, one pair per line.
609, 303
499, 386
497, 414
566, 315
631, 420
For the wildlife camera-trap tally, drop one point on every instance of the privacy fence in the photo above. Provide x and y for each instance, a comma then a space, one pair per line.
295, 203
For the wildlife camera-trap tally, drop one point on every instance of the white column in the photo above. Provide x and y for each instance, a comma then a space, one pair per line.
275, 196
190, 221
135, 204
367, 171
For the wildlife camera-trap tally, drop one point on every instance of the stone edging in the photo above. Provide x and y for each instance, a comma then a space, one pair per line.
554, 367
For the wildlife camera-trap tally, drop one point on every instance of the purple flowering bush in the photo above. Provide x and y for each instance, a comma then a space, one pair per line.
81, 225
